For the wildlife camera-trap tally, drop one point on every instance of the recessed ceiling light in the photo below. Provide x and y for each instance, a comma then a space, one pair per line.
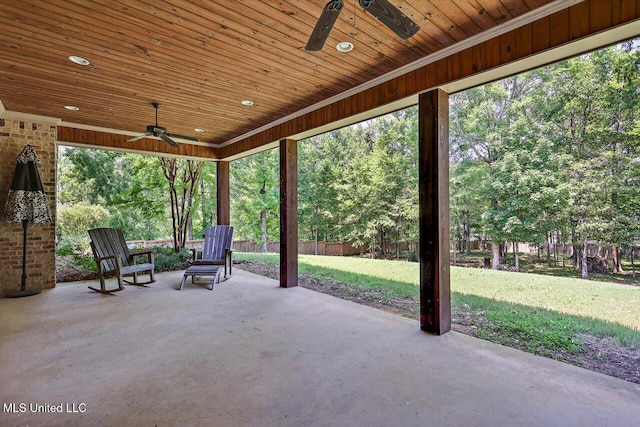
78, 60
344, 46
247, 102
71, 107
199, 130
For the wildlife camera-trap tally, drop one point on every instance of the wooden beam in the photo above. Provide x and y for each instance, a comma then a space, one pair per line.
222, 189
288, 213
433, 143
117, 142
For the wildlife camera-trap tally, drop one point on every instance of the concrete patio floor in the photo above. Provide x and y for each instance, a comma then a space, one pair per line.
249, 353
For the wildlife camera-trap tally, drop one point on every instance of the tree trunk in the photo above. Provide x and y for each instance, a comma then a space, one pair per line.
615, 257
455, 253
619, 254
181, 176
576, 251
548, 249
495, 249
562, 248
515, 256
315, 251
263, 231
585, 265
633, 265
466, 230
577, 258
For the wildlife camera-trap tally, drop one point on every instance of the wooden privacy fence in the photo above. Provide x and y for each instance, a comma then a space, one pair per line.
304, 247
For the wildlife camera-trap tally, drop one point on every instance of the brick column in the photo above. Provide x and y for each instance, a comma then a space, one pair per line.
41, 260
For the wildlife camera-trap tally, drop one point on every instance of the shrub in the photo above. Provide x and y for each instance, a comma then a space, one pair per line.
75, 220
166, 259
72, 224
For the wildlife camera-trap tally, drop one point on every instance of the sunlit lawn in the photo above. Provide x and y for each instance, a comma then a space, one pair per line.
606, 302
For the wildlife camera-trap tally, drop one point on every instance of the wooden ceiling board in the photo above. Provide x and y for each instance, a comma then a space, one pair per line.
200, 58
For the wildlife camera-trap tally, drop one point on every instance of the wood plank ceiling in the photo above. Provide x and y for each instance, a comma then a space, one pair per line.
201, 58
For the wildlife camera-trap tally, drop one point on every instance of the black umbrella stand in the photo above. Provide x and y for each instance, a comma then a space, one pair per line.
24, 292
27, 203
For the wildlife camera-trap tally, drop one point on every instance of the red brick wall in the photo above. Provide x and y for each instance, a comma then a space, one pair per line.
41, 260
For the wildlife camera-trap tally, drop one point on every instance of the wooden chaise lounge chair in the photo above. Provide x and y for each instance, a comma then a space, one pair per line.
217, 251
113, 258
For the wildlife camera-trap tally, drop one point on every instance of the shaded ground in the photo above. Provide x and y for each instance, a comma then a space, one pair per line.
530, 263
596, 354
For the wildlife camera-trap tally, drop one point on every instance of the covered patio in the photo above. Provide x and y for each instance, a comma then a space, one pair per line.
250, 353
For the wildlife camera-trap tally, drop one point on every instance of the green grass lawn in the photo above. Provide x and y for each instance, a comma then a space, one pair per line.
549, 311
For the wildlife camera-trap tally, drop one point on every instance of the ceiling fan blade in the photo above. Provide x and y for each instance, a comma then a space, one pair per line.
390, 16
324, 25
189, 138
168, 140
136, 138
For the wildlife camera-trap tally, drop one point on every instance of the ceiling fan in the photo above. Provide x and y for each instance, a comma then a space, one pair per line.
384, 11
161, 132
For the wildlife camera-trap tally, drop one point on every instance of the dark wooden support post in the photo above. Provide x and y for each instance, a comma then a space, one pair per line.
435, 292
223, 200
288, 213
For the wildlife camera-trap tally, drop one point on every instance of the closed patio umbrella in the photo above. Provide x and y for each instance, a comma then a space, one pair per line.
27, 203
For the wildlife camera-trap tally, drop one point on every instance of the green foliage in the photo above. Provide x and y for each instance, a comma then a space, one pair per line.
359, 183
85, 262
550, 150
205, 200
75, 220
72, 225
255, 197
130, 187
167, 259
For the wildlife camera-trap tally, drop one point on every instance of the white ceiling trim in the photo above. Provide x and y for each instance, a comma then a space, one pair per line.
534, 15
26, 117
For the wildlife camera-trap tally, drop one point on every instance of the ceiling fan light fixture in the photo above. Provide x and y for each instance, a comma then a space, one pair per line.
78, 60
247, 103
344, 47
161, 132
71, 108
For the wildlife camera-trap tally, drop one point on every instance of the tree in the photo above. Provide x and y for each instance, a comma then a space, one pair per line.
182, 178
482, 121
590, 116
317, 194
256, 197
